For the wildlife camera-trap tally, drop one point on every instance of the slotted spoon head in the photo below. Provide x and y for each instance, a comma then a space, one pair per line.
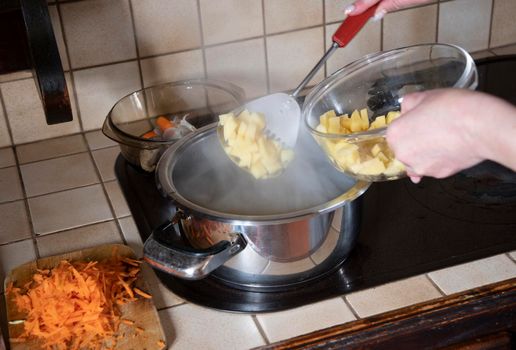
282, 117
282, 121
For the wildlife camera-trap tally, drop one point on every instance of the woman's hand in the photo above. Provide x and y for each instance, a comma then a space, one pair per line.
385, 6
441, 132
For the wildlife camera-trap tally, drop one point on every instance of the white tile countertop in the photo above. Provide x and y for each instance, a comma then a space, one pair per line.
61, 195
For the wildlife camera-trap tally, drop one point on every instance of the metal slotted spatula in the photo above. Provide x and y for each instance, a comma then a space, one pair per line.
281, 111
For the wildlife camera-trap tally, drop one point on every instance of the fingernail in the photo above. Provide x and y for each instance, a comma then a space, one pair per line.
349, 9
379, 15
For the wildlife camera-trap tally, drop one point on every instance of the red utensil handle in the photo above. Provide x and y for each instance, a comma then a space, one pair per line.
351, 26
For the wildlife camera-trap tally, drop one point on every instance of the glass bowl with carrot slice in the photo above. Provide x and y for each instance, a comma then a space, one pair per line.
148, 121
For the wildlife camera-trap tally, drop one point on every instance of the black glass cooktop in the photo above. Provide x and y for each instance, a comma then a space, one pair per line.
406, 229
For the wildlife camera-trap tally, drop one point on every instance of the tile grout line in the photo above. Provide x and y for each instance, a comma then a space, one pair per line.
104, 189
510, 257
137, 48
351, 308
491, 19
49, 234
260, 329
202, 47
71, 71
437, 22
436, 286
64, 190
7, 123
325, 44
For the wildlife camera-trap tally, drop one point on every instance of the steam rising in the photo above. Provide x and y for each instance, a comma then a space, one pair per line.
205, 175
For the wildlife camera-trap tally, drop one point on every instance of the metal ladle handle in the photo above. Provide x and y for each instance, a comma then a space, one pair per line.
342, 36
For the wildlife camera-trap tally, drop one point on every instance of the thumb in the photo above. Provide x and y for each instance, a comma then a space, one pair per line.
411, 101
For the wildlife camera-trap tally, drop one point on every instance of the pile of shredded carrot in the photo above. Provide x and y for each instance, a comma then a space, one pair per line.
75, 304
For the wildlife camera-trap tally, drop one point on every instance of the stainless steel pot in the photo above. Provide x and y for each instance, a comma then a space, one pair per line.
253, 234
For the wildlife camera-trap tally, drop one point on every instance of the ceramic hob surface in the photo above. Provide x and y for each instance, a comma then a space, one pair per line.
406, 229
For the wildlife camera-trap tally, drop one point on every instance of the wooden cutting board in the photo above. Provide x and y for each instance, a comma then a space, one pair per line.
143, 311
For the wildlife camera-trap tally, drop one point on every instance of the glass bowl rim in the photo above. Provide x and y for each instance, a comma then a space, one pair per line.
328, 82
220, 84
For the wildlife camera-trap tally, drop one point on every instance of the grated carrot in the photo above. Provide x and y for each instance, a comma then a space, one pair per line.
142, 293
74, 305
161, 344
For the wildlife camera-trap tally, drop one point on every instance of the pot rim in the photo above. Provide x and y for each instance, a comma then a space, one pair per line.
168, 189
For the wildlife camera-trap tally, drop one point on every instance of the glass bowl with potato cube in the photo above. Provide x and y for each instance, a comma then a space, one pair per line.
349, 112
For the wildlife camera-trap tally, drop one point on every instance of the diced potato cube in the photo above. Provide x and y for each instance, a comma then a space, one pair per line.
258, 170
394, 168
334, 125
321, 128
345, 122
372, 166
356, 122
376, 149
323, 119
379, 122
392, 115
385, 160
286, 156
365, 119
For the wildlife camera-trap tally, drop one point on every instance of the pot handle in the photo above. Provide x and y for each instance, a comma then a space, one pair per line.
185, 262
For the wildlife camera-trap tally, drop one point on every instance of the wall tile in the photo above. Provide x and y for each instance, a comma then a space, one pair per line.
506, 50
52, 148
72, 171
98, 89
367, 41
58, 33
13, 255
26, 116
227, 20
69, 209
105, 161
132, 235
96, 140
471, 16
117, 199
5, 138
174, 67
15, 222
10, 185
219, 329
334, 9
79, 238
503, 29
410, 27
22, 74
98, 32
166, 25
278, 325
287, 15
481, 54
392, 296
7, 157
241, 63
474, 274
292, 55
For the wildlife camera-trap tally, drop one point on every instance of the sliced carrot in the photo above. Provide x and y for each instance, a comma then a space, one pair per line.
149, 135
164, 123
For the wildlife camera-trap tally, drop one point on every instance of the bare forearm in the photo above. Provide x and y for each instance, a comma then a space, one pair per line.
497, 133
